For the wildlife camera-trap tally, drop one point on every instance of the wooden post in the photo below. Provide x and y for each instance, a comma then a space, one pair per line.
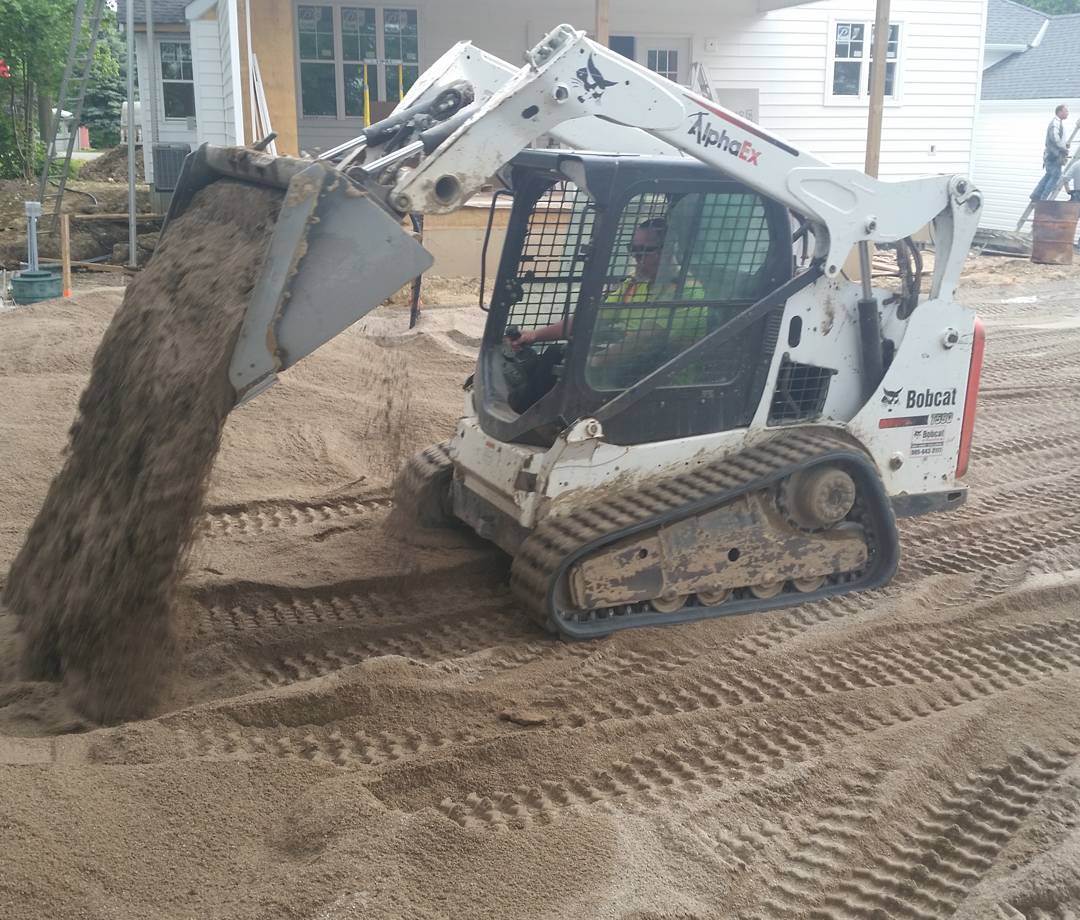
65, 252
877, 88
603, 21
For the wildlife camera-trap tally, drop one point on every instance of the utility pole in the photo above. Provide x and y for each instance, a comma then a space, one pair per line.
877, 88
132, 236
603, 21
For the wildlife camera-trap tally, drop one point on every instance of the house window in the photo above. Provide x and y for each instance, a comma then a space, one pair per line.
847, 64
664, 62
177, 79
345, 50
318, 76
851, 61
402, 51
359, 50
892, 53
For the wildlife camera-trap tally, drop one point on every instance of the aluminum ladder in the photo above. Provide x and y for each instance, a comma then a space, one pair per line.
77, 69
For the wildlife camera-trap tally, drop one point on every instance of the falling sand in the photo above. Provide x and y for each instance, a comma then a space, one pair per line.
94, 583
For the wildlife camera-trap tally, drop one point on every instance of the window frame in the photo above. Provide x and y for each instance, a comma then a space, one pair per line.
381, 63
892, 100
162, 80
598, 283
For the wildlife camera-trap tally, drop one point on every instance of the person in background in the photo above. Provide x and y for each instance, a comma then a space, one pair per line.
1055, 153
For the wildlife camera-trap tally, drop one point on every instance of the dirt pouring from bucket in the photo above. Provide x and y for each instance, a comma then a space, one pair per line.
94, 584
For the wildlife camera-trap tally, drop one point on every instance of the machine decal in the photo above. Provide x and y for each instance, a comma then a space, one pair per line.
706, 135
746, 126
924, 399
890, 397
592, 81
928, 442
903, 421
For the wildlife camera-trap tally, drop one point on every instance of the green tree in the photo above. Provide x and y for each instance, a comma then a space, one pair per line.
107, 88
34, 39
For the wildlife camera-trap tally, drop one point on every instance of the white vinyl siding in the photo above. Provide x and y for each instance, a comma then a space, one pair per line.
1009, 140
785, 55
212, 124
782, 54
229, 53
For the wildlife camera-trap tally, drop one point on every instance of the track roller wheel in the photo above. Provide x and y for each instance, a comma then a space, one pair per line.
670, 604
808, 585
714, 597
765, 591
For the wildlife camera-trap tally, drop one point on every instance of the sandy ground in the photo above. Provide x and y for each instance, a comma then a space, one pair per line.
365, 728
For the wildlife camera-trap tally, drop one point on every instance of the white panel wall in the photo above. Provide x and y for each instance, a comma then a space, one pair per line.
213, 121
784, 55
169, 130
1009, 139
230, 70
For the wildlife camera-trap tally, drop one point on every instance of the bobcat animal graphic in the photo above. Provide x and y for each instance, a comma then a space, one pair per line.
891, 397
591, 81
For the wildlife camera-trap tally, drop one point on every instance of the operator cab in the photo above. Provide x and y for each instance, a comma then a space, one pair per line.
617, 264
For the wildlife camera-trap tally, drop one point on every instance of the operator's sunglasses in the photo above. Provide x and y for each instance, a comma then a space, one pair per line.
642, 250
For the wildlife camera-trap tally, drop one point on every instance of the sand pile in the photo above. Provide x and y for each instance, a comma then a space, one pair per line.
111, 166
93, 584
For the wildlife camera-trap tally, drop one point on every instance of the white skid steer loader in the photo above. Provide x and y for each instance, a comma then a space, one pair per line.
671, 417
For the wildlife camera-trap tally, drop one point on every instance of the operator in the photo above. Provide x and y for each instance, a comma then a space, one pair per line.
628, 343
1055, 153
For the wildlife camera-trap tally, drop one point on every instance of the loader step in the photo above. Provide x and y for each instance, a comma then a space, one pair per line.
591, 571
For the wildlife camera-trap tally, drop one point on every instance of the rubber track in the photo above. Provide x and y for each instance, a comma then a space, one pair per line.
267, 516
543, 554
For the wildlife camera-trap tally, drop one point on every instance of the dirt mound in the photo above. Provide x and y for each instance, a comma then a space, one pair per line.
94, 582
112, 166
362, 727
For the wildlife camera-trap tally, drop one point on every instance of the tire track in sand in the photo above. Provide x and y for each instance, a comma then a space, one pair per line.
823, 852
981, 660
712, 757
950, 849
260, 517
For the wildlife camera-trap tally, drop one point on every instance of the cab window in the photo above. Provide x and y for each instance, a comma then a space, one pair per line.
681, 266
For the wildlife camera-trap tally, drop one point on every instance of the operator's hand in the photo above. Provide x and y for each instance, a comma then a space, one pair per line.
523, 339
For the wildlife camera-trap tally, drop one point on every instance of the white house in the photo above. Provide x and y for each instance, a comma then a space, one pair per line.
1032, 66
196, 74
802, 68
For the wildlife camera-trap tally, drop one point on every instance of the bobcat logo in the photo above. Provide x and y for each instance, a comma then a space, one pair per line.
591, 81
891, 397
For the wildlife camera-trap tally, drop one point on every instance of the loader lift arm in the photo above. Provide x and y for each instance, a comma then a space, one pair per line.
466, 118
568, 78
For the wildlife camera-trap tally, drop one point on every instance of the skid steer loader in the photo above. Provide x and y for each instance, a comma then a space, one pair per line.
673, 416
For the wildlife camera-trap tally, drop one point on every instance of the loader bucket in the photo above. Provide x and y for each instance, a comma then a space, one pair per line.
335, 255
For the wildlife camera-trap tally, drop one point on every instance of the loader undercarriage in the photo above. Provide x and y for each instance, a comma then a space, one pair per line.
798, 517
720, 540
